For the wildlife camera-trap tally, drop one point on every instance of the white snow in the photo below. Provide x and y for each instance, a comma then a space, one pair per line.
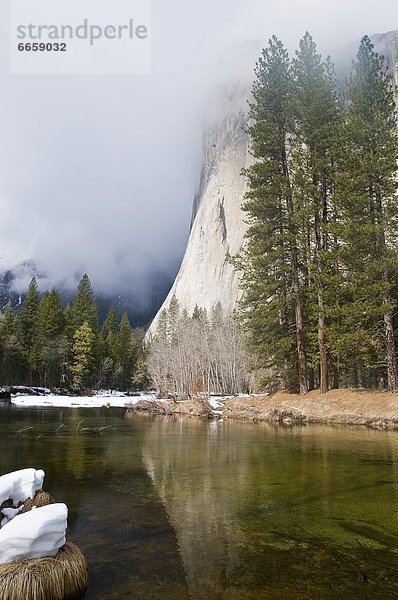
114, 400
114, 393
110, 399
70, 402
22, 390
9, 515
35, 534
215, 402
6, 489
20, 485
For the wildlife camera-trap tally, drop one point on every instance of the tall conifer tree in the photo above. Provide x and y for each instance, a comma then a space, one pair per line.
273, 308
10, 347
50, 325
84, 307
27, 316
317, 126
369, 202
27, 328
125, 349
83, 359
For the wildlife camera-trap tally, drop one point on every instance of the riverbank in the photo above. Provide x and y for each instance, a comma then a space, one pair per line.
371, 408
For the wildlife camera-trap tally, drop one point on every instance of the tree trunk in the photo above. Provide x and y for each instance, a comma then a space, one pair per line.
301, 357
311, 379
323, 362
323, 358
336, 378
392, 368
320, 244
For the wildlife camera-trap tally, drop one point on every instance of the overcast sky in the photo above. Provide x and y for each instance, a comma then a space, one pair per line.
98, 173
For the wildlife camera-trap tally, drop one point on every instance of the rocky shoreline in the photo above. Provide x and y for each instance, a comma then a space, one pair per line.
370, 408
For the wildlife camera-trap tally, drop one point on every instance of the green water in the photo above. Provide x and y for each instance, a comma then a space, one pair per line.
175, 509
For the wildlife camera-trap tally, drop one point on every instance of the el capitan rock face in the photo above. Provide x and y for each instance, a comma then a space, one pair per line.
206, 275
387, 45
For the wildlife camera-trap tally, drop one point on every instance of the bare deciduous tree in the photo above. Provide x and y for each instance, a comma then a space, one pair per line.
198, 354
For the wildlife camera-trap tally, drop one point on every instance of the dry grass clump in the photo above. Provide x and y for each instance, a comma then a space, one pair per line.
41, 499
62, 577
75, 571
158, 408
193, 407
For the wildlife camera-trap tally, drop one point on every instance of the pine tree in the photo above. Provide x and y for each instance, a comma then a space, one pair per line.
173, 315
50, 321
50, 326
110, 323
317, 125
197, 313
108, 349
27, 328
27, 316
273, 311
217, 314
84, 308
83, 358
368, 187
161, 332
10, 348
125, 353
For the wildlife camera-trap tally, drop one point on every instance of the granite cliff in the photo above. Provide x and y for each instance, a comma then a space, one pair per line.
206, 275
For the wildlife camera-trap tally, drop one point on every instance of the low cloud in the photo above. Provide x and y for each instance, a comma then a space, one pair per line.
98, 174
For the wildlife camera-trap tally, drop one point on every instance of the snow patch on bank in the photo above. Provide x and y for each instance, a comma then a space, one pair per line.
111, 399
102, 398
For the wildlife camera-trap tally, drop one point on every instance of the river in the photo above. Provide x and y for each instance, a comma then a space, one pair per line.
171, 509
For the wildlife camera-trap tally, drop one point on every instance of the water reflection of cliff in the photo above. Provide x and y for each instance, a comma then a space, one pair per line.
257, 511
191, 473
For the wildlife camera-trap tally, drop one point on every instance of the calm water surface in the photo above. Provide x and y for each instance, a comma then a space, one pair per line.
184, 509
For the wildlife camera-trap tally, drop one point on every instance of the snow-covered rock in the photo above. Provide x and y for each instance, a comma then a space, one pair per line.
20, 485
35, 534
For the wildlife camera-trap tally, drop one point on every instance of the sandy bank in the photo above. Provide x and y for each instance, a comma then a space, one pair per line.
371, 408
